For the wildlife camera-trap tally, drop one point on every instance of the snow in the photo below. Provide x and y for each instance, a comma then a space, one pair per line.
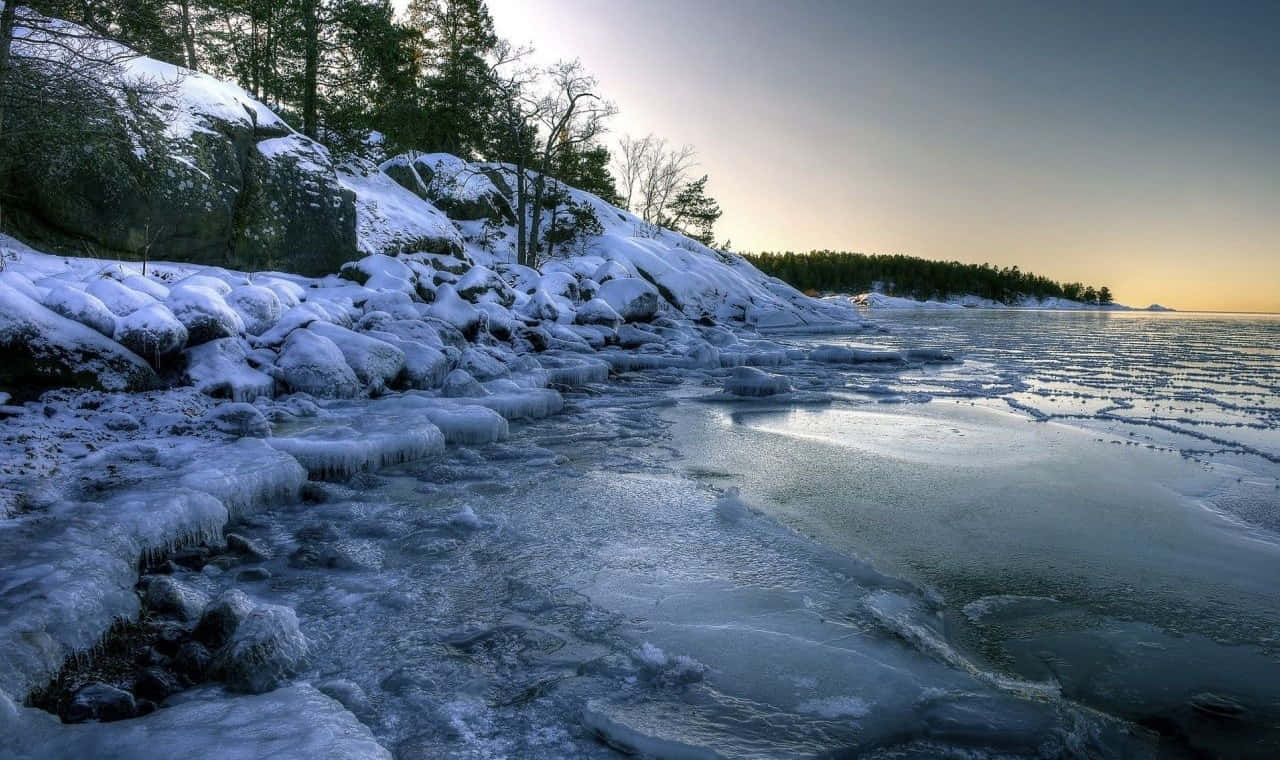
122, 300
296, 722
312, 363
749, 381
376, 363
390, 218
82, 307
151, 332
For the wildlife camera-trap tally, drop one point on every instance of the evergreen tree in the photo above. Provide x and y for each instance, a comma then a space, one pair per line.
1104, 295
455, 37
693, 212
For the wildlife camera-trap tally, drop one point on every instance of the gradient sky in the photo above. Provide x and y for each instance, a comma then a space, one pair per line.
1127, 144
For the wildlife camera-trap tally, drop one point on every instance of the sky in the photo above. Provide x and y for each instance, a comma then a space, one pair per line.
1134, 145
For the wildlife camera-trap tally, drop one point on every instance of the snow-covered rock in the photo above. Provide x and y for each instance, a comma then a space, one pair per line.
749, 381
375, 362
259, 307
82, 307
203, 311
151, 332
42, 349
266, 648
122, 300
633, 299
311, 363
597, 311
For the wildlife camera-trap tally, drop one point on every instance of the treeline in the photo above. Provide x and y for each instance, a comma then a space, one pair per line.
913, 277
366, 80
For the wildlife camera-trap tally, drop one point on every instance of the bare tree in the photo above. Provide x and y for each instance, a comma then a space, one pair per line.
652, 173
543, 113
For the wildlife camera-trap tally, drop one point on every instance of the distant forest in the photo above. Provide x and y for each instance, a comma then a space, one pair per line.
909, 276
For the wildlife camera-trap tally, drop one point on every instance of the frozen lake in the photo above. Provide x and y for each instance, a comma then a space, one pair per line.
1061, 544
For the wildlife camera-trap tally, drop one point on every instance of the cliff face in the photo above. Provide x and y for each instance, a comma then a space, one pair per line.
182, 167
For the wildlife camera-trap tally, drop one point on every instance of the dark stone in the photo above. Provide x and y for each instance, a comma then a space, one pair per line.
100, 701
253, 575
222, 617
247, 547
44, 350
156, 684
192, 661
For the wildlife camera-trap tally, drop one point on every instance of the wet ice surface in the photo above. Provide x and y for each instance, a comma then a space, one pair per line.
532, 597
593, 582
1124, 547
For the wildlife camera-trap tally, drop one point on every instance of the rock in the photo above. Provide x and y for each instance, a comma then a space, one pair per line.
630, 336
222, 617
151, 332
482, 365
217, 179
349, 695
452, 310
460, 384
481, 284
156, 684
253, 575
78, 305
204, 313
610, 270
634, 299
259, 308
597, 311
238, 419
311, 363
266, 648
376, 363
247, 547
220, 368
192, 661
99, 701
43, 350
119, 421
120, 299
424, 366
452, 185
749, 381
169, 596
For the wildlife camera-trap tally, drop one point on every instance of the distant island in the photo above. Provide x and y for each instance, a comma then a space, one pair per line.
892, 280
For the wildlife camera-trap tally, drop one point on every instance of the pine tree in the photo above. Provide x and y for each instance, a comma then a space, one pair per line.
1104, 295
455, 100
693, 212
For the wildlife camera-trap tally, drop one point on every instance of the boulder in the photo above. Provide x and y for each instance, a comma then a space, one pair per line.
151, 332
122, 300
266, 648
311, 363
100, 701
167, 595
376, 363
204, 313
82, 307
259, 308
222, 617
634, 299
43, 350
239, 419
597, 311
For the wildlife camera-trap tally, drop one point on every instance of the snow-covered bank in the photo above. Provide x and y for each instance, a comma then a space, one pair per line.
875, 300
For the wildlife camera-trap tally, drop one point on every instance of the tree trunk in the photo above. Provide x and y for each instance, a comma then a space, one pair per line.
522, 212
311, 69
7, 20
188, 35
